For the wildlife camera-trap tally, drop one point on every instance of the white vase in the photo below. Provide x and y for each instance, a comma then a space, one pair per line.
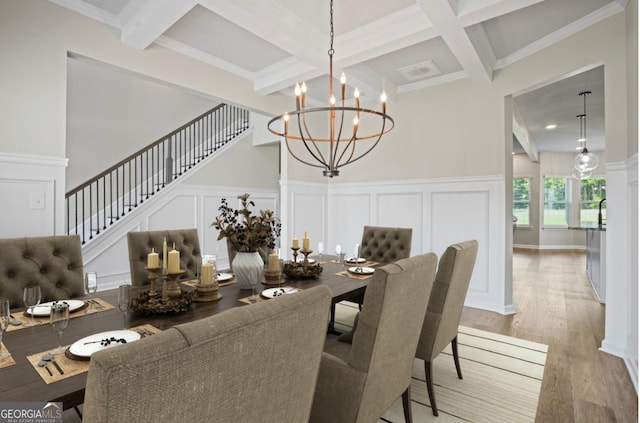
248, 268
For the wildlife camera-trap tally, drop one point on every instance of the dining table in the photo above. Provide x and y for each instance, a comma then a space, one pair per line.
22, 382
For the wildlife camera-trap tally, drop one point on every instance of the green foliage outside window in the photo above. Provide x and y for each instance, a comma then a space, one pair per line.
522, 200
592, 190
556, 202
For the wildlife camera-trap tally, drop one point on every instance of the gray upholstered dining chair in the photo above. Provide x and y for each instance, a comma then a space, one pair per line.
446, 300
140, 244
385, 244
358, 382
53, 262
255, 363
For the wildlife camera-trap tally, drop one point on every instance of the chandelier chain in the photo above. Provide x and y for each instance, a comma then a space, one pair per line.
331, 50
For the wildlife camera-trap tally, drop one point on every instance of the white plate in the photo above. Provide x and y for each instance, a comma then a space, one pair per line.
276, 292
44, 309
223, 277
92, 343
355, 260
362, 270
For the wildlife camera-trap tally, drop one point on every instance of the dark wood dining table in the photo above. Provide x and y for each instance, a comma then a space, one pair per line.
21, 383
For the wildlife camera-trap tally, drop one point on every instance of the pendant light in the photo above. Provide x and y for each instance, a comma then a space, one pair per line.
585, 161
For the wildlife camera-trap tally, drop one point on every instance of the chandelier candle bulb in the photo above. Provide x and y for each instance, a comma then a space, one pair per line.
207, 274
297, 92
303, 89
343, 83
174, 261
152, 259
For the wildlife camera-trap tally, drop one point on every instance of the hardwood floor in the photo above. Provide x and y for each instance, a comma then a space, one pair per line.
556, 305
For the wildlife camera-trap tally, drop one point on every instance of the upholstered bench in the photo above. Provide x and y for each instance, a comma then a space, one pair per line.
53, 262
140, 244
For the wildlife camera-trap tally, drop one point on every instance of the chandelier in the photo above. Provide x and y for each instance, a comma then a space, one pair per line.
585, 161
339, 147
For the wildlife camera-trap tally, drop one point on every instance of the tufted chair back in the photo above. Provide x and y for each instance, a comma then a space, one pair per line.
53, 262
385, 245
140, 244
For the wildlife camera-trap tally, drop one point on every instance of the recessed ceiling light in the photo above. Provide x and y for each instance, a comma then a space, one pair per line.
551, 126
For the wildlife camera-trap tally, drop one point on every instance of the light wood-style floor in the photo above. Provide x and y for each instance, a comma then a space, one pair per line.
556, 305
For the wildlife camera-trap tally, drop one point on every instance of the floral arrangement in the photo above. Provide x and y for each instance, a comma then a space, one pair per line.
245, 231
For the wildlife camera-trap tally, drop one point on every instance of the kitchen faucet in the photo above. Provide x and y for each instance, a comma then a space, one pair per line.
600, 212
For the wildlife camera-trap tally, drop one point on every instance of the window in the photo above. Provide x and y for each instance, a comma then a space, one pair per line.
556, 202
592, 190
522, 200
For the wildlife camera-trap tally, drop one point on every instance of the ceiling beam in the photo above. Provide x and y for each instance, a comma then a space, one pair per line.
444, 18
152, 20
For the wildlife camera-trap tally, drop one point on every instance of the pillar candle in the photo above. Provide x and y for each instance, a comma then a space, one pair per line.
174, 261
152, 259
295, 243
206, 277
164, 254
305, 242
274, 262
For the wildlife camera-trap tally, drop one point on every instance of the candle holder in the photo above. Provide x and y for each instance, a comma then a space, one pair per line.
295, 254
173, 290
304, 269
207, 292
153, 275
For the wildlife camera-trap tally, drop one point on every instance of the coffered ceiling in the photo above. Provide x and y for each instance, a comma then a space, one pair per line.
395, 45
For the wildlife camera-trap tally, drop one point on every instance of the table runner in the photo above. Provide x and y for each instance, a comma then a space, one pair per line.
6, 362
73, 367
99, 306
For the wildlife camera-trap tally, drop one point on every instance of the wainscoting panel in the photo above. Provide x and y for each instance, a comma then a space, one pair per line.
440, 211
348, 214
176, 212
461, 216
308, 212
402, 210
34, 189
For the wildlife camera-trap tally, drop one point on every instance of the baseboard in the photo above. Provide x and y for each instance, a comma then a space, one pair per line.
611, 348
632, 369
504, 310
550, 247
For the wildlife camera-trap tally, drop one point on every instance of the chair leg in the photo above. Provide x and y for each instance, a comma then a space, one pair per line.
454, 348
406, 404
432, 397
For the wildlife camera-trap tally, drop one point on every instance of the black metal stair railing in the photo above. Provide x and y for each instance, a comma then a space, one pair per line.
100, 202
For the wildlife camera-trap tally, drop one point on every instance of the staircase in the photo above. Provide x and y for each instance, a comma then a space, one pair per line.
97, 204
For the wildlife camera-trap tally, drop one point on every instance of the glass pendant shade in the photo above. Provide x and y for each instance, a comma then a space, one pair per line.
581, 175
585, 161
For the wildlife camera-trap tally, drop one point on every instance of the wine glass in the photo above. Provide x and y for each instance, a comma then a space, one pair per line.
320, 250
124, 300
5, 317
59, 320
356, 252
91, 286
31, 297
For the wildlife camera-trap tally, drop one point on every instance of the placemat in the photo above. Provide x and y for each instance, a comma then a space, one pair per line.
99, 306
72, 367
260, 298
194, 282
353, 275
6, 362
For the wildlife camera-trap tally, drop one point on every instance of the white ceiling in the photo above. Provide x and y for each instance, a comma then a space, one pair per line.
398, 46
